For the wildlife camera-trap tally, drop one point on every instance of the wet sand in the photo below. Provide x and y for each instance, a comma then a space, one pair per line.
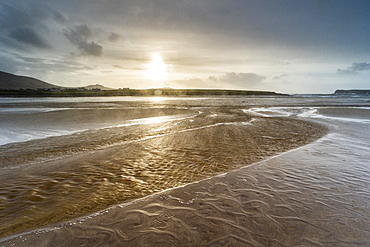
236, 182
39, 122
58, 178
315, 195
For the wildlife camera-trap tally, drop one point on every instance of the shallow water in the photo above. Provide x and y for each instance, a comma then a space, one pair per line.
23, 119
316, 195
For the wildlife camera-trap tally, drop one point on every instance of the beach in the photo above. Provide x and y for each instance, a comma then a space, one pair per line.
190, 172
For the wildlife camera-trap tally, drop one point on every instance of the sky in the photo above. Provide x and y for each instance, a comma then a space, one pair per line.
286, 46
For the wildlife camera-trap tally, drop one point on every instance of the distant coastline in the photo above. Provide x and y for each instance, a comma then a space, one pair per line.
21, 86
75, 92
356, 92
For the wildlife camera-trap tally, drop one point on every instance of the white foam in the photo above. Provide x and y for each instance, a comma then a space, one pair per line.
12, 135
30, 110
282, 111
305, 112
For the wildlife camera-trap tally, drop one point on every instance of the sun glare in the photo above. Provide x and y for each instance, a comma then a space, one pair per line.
156, 69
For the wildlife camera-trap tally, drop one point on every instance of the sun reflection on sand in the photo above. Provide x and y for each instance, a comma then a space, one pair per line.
154, 120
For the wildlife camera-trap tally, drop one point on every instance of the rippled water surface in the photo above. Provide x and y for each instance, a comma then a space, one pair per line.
316, 195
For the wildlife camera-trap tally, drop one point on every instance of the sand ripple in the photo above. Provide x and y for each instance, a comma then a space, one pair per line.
59, 178
288, 200
317, 195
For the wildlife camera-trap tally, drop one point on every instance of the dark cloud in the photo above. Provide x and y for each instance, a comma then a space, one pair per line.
57, 16
354, 68
29, 36
113, 37
345, 71
24, 23
239, 79
360, 66
79, 36
92, 48
296, 24
13, 17
29, 14
8, 41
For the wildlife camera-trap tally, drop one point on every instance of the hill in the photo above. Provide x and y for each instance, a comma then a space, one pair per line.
10, 81
98, 86
14, 82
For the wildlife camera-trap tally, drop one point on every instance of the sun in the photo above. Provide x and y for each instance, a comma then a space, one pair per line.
156, 69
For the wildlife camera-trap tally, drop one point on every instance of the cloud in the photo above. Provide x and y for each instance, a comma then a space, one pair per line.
280, 63
21, 15
91, 48
192, 83
239, 79
113, 37
8, 65
56, 70
25, 23
235, 80
354, 68
58, 17
345, 71
360, 66
118, 66
13, 17
79, 36
16, 45
278, 77
28, 36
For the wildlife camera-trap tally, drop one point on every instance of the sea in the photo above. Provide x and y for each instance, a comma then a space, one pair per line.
185, 171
